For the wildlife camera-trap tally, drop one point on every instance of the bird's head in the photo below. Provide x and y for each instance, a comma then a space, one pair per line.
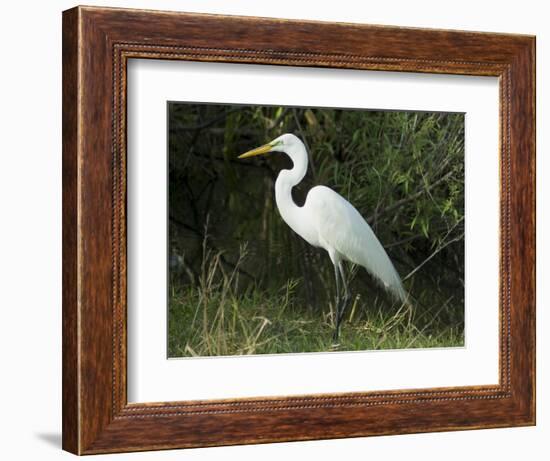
283, 143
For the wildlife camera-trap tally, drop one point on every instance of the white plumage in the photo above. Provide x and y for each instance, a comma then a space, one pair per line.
343, 230
329, 221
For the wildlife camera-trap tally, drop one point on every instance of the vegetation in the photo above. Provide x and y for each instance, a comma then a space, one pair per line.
241, 282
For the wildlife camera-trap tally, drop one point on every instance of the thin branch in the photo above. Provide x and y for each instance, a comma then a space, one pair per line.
410, 198
440, 248
222, 257
178, 126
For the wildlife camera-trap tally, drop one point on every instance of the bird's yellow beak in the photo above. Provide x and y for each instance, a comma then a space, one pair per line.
258, 151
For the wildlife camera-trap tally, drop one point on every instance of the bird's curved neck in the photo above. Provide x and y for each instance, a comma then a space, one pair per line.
286, 180
290, 178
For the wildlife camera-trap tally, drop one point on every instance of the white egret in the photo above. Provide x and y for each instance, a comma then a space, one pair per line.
329, 221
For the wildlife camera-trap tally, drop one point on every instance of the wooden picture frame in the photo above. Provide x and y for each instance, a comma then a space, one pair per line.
97, 43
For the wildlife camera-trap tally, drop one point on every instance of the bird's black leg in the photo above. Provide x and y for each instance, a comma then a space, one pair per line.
345, 299
337, 305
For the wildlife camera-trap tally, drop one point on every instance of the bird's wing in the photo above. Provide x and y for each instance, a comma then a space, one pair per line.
342, 227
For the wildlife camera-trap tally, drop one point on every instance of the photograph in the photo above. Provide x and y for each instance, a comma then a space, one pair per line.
309, 229
279, 227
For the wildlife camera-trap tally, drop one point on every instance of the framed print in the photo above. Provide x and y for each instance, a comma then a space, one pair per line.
330, 235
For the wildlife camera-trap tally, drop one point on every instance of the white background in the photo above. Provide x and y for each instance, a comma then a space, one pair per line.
30, 229
153, 378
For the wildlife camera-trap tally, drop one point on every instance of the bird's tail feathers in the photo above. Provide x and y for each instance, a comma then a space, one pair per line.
391, 282
398, 291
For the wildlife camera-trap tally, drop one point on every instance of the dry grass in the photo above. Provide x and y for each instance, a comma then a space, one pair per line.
217, 318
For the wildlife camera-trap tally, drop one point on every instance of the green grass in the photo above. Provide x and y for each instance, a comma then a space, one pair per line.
215, 319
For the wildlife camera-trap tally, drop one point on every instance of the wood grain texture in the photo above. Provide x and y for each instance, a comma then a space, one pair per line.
97, 43
70, 383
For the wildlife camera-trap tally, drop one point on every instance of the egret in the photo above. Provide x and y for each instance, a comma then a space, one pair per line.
327, 220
